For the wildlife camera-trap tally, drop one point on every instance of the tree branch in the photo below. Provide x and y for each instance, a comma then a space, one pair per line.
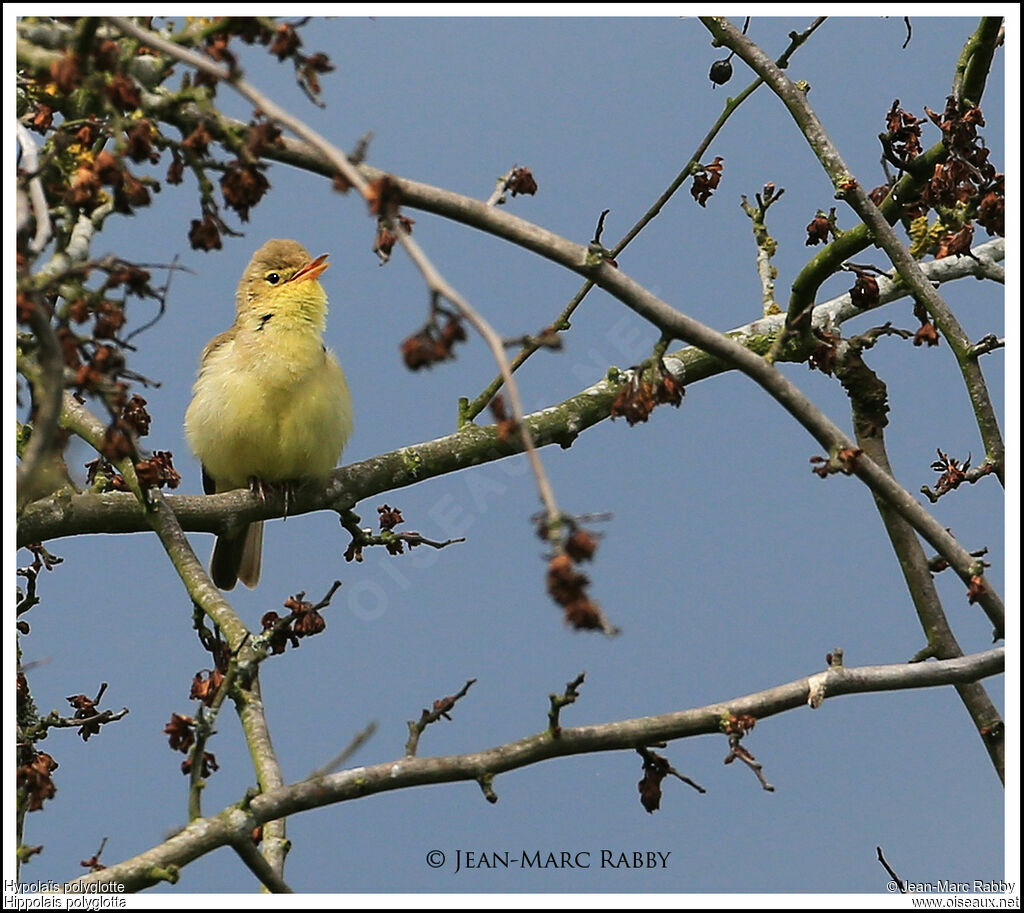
671, 321
849, 189
470, 410
473, 445
869, 400
248, 703
342, 166
235, 822
69, 515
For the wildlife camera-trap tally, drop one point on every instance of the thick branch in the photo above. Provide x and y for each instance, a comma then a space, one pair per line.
36, 467
253, 716
69, 515
474, 445
37, 472
869, 401
232, 824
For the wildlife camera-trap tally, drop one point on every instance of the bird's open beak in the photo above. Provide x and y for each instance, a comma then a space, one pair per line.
312, 269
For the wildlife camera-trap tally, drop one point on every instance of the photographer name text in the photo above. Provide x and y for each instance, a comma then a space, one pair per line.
563, 859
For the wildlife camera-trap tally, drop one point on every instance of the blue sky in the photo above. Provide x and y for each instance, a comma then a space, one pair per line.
728, 565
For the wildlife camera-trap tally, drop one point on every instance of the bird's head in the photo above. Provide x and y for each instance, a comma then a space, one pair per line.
281, 274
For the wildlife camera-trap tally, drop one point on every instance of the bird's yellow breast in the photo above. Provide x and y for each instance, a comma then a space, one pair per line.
270, 402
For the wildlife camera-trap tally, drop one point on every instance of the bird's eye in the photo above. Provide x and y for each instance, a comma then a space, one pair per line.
273, 278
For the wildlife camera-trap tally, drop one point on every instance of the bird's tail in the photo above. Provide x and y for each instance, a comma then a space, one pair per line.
238, 556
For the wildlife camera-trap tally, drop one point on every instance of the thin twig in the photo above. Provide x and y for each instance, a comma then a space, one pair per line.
868, 399
736, 750
205, 720
357, 742
558, 701
896, 878
986, 344
55, 721
500, 186
766, 244
652, 758
440, 711
437, 284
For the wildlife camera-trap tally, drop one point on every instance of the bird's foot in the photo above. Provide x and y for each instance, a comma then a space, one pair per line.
259, 488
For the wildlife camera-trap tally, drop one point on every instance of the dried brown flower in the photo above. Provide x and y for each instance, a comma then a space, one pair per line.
123, 93
243, 186
389, 517
977, 589
205, 234
280, 632
656, 768
383, 197
85, 707
823, 356
209, 765
181, 732
844, 461
634, 401
565, 583
139, 145
158, 471
83, 189
992, 208
176, 170
879, 193
818, 231
521, 181
864, 293
205, 686
706, 180
953, 472
198, 141
261, 136
108, 168
581, 544
433, 344
109, 319
584, 615
66, 72
42, 118
34, 777
904, 133
737, 724
506, 424
131, 192
955, 244
926, 335
669, 391
105, 53
286, 41
306, 619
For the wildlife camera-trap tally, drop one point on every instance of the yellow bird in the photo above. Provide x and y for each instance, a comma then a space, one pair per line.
271, 404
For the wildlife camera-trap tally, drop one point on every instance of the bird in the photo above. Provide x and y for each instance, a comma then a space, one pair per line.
270, 405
